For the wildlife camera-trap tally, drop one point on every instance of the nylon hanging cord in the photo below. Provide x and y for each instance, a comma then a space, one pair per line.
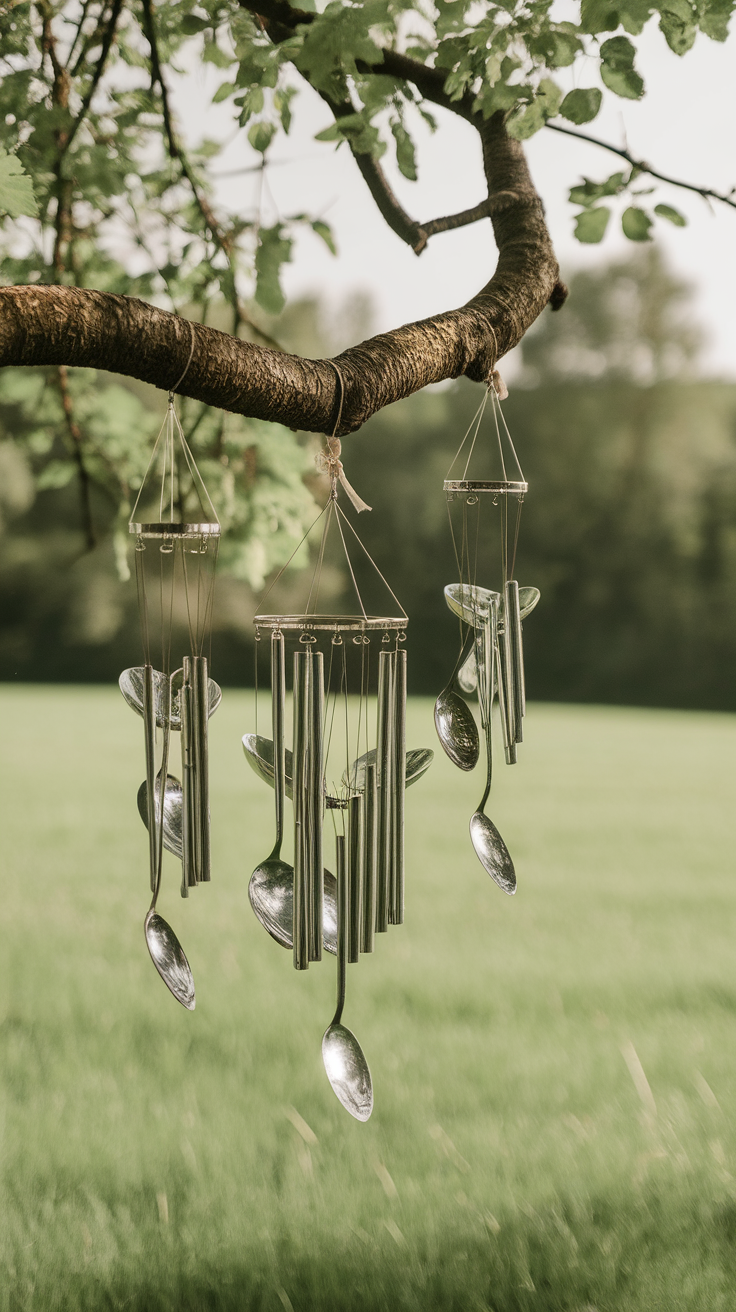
179, 381
329, 462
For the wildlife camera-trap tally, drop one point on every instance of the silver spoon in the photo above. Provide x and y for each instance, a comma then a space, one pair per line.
418, 761
172, 811
456, 729
164, 947
489, 846
166, 693
471, 603
346, 1066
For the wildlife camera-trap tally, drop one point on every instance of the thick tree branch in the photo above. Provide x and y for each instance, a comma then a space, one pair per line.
706, 192
65, 325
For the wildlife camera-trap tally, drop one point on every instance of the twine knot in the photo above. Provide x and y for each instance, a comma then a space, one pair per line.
329, 462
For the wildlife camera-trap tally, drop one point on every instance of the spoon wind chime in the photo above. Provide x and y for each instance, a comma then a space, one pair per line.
491, 660
177, 536
348, 760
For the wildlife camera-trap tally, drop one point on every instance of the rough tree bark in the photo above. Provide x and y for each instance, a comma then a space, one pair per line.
57, 325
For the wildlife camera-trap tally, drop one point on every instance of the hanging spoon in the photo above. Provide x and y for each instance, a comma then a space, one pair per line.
271, 886
346, 1067
166, 693
164, 947
456, 729
172, 811
418, 761
489, 846
471, 603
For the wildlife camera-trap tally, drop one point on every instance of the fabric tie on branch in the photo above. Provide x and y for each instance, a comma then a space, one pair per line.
329, 462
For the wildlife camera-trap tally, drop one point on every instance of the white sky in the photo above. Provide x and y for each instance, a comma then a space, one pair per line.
685, 126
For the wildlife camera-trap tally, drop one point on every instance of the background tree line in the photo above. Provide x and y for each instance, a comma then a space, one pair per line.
629, 528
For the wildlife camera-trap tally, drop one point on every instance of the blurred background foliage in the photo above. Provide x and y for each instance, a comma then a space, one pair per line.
629, 528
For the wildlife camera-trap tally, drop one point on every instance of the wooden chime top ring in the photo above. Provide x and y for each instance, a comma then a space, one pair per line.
332, 623
175, 530
499, 487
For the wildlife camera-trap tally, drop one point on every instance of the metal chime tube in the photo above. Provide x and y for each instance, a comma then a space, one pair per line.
384, 759
149, 728
507, 726
188, 876
343, 901
278, 709
368, 877
302, 670
355, 871
398, 785
315, 775
201, 702
514, 642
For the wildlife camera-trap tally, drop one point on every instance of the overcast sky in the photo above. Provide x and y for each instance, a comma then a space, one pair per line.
685, 126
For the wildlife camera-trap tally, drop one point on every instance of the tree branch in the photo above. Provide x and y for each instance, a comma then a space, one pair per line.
107, 41
706, 192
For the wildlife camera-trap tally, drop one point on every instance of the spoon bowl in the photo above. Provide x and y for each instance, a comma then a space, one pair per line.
168, 957
259, 755
457, 730
347, 1070
172, 811
471, 603
131, 686
271, 893
418, 761
492, 852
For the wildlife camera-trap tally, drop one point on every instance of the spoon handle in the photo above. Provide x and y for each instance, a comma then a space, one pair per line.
355, 870
162, 788
342, 924
201, 702
515, 646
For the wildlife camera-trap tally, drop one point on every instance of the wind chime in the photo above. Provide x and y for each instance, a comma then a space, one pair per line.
177, 535
485, 515
346, 771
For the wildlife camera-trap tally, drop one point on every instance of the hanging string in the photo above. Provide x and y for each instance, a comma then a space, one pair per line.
329, 462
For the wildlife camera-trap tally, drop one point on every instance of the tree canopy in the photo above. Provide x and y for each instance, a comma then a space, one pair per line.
117, 254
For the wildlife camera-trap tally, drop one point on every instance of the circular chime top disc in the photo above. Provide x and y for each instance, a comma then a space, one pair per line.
164, 530
332, 623
496, 487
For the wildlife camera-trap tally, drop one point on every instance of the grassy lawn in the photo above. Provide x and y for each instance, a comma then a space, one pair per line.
554, 1075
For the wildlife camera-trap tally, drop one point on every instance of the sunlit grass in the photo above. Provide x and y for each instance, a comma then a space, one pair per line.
555, 1075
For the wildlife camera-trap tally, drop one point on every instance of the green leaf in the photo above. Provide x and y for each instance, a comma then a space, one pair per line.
190, 24
260, 136
674, 216
588, 192
625, 82
618, 52
714, 18
16, 188
324, 231
598, 16
581, 105
636, 224
405, 155
274, 250
590, 226
634, 15
679, 36
223, 91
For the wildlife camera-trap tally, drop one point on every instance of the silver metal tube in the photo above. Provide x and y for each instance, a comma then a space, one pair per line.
343, 911
384, 760
315, 860
189, 671
398, 784
507, 663
278, 709
368, 878
299, 748
514, 642
509, 745
149, 729
355, 870
188, 876
201, 683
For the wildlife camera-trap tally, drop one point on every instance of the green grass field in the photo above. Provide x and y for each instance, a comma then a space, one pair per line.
554, 1075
